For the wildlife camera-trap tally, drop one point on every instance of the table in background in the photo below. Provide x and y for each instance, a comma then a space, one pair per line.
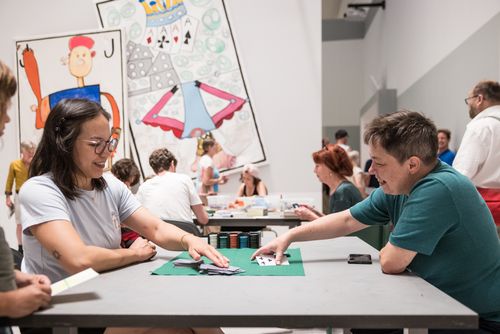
261, 221
333, 293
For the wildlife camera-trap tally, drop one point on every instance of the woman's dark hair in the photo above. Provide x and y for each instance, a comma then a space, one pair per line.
207, 143
256, 180
8, 86
55, 150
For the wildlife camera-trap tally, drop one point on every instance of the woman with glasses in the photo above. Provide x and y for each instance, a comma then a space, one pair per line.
72, 213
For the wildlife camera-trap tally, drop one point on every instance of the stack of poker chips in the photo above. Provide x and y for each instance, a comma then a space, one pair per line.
254, 239
235, 240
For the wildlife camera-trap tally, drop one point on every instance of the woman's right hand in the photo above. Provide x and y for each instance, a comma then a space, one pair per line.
222, 179
145, 250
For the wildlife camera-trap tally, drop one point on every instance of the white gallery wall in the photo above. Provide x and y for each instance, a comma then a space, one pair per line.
280, 52
407, 41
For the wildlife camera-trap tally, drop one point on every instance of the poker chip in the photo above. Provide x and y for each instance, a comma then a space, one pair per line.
243, 240
212, 240
223, 240
254, 239
235, 239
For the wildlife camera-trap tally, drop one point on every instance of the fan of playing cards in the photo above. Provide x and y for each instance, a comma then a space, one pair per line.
208, 269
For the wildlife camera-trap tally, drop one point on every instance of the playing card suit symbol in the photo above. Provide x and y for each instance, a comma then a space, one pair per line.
162, 41
176, 39
149, 40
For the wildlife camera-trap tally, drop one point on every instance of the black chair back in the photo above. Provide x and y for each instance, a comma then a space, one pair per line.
186, 226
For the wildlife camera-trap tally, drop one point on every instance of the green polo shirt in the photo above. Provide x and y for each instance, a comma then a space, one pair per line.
444, 220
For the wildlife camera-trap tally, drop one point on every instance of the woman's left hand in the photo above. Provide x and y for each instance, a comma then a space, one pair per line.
197, 248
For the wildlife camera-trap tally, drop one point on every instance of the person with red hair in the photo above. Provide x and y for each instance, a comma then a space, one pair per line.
332, 167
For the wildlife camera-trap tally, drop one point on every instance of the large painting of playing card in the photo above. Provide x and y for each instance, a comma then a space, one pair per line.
185, 82
88, 65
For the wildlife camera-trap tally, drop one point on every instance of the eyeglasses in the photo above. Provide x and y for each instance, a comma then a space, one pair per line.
100, 145
468, 98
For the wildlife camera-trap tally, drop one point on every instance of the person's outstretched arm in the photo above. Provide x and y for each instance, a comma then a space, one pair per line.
171, 237
327, 227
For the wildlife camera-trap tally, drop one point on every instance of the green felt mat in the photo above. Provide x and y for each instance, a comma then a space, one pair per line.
240, 257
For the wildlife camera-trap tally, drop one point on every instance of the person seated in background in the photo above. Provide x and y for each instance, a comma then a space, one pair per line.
444, 152
169, 195
126, 171
20, 294
72, 213
358, 178
332, 167
443, 230
251, 185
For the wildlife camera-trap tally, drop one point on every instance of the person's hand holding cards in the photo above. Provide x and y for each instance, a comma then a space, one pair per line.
274, 249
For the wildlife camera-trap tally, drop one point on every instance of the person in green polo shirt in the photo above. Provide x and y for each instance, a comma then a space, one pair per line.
443, 229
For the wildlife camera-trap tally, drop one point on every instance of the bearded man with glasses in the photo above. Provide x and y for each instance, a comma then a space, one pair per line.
479, 154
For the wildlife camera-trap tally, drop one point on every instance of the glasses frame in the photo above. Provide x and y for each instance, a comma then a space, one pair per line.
111, 144
470, 97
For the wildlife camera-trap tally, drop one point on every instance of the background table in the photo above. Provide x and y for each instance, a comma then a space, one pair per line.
253, 221
332, 294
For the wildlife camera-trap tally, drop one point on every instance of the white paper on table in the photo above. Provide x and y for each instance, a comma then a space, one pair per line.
73, 280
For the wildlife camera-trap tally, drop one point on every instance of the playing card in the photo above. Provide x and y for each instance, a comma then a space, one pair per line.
211, 269
176, 36
189, 26
187, 263
163, 39
270, 260
150, 37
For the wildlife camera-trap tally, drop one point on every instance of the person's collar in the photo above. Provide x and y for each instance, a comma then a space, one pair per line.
491, 110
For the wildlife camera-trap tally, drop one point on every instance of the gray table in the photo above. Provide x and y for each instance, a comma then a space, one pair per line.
332, 294
253, 222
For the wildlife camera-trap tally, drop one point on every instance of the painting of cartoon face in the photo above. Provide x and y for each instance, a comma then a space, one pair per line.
80, 61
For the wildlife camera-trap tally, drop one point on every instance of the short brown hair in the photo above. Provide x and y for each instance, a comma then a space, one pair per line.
161, 159
404, 134
489, 89
335, 158
124, 169
446, 132
8, 86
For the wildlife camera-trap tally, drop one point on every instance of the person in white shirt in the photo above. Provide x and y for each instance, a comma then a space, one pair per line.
169, 195
479, 154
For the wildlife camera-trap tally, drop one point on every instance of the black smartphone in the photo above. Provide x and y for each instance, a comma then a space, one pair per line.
295, 205
359, 259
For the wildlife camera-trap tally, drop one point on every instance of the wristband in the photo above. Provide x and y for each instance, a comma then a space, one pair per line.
8, 193
182, 241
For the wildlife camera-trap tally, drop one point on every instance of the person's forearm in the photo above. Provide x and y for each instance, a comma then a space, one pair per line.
326, 227
166, 236
100, 259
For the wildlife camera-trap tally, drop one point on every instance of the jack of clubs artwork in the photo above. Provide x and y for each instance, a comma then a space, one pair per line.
86, 65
